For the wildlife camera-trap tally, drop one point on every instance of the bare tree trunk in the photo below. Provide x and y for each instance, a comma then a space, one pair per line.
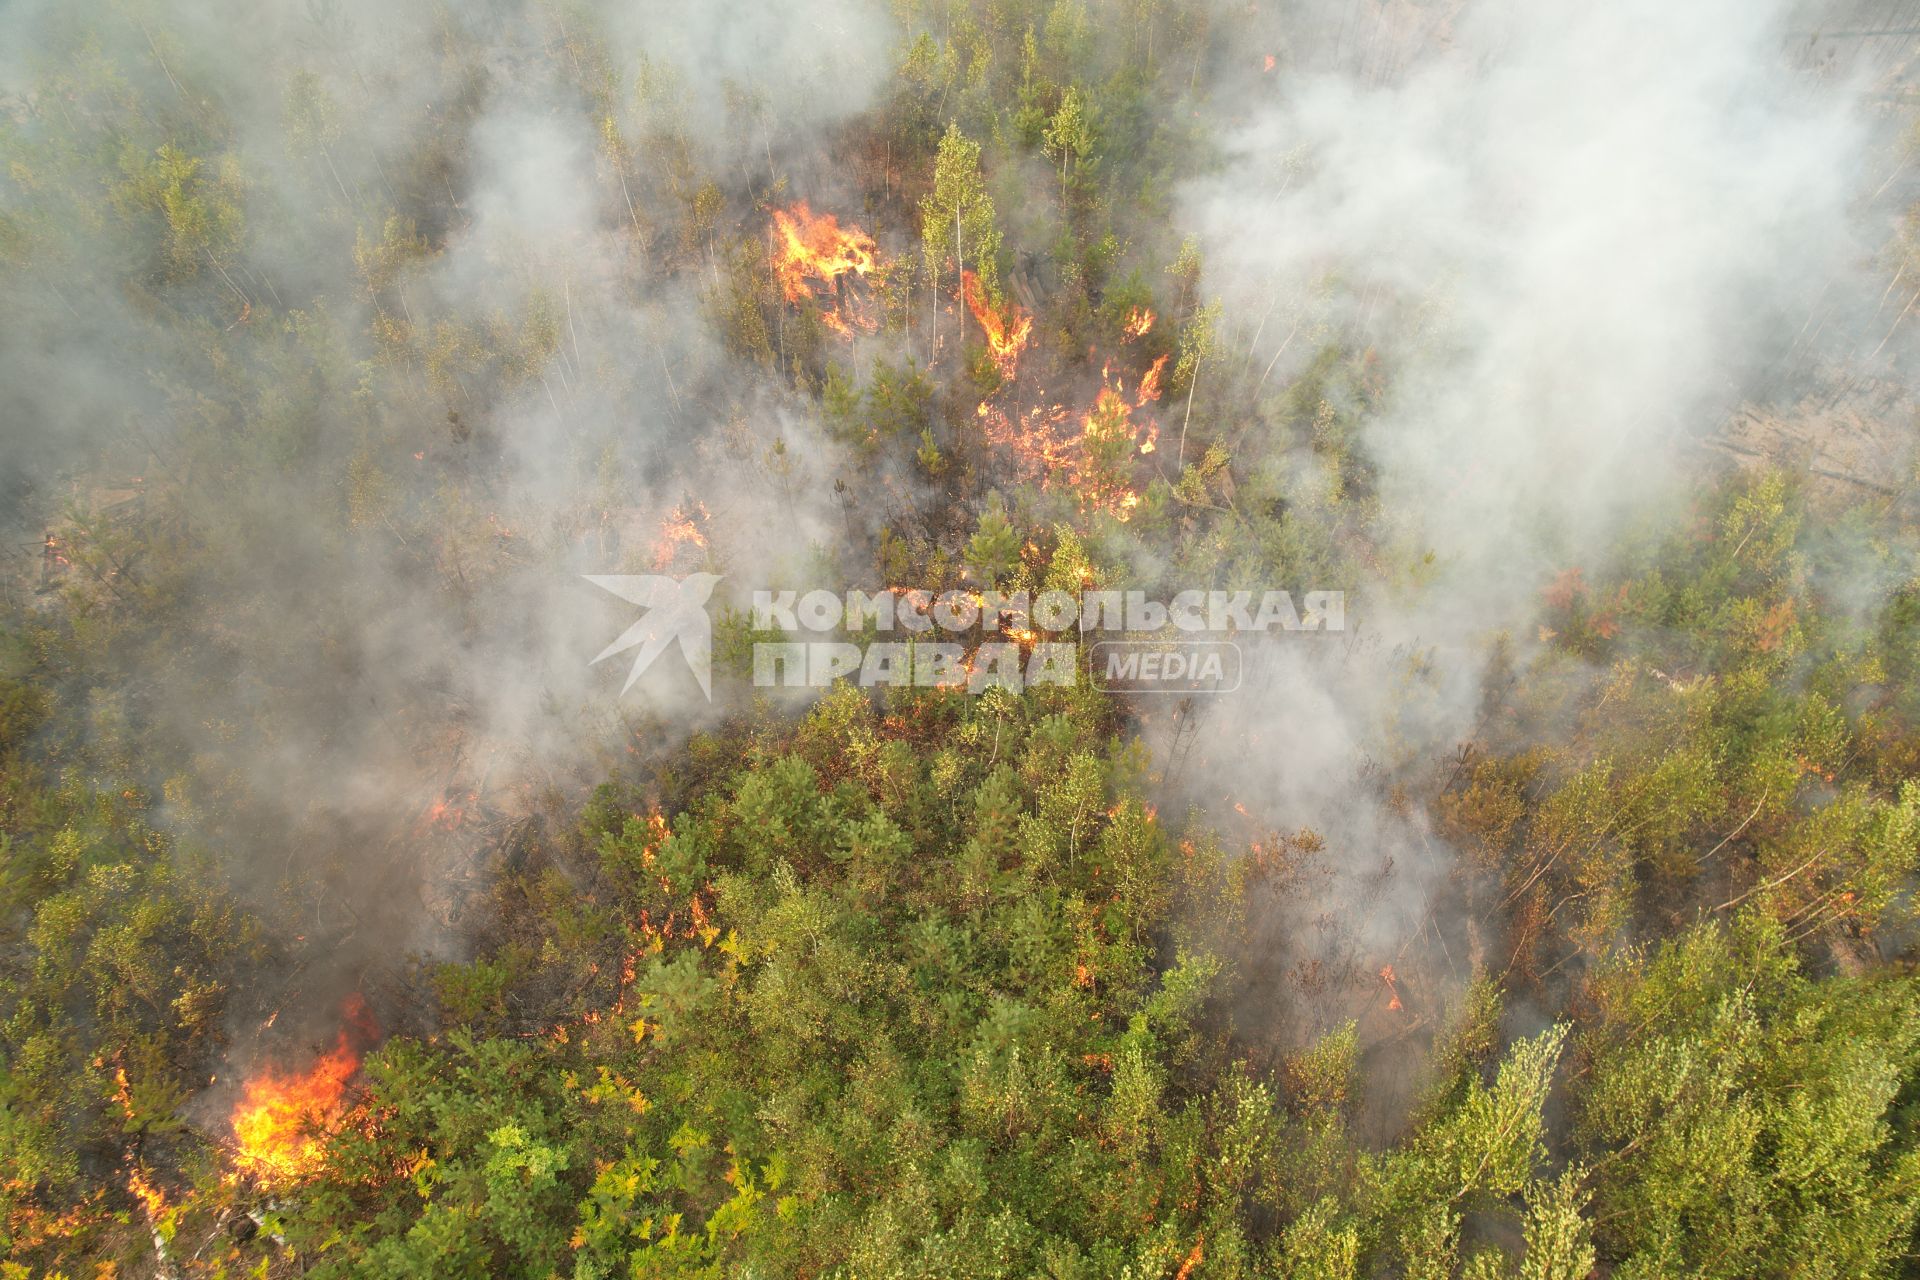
328, 156
1180, 455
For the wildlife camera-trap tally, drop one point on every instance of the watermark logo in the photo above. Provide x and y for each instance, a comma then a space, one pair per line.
1165, 666
1118, 641
676, 610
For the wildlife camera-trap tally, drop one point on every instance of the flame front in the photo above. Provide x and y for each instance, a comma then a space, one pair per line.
680, 528
151, 1198
1097, 461
1006, 335
810, 255
1150, 384
281, 1122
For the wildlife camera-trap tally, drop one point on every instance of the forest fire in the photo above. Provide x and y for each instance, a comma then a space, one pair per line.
1150, 384
448, 813
812, 252
1006, 335
871, 951
1033, 439
53, 560
150, 1197
680, 529
1097, 463
1110, 441
282, 1120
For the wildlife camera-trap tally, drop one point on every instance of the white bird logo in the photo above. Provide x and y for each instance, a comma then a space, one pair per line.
676, 609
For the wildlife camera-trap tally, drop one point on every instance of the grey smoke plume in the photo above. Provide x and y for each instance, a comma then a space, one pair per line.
1571, 233
382, 663
1575, 238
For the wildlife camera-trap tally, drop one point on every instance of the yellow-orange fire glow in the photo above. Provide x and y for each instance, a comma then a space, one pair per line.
1139, 323
150, 1196
1094, 462
1006, 335
1393, 989
1150, 383
680, 529
448, 813
123, 1092
282, 1119
811, 253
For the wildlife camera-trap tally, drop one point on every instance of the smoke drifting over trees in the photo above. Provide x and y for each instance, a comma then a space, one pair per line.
1553, 919
431, 351
1578, 243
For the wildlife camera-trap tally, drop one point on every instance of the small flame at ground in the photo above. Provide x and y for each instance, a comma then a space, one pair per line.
1096, 463
150, 1197
1393, 988
448, 813
1139, 322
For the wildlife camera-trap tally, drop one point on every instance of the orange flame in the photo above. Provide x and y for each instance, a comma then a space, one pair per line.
1109, 439
150, 1197
1006, 335
448, 813
1393, 989
282, 1120
680, 528
812, 252
1150, 383
1097, 463
281, 1123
